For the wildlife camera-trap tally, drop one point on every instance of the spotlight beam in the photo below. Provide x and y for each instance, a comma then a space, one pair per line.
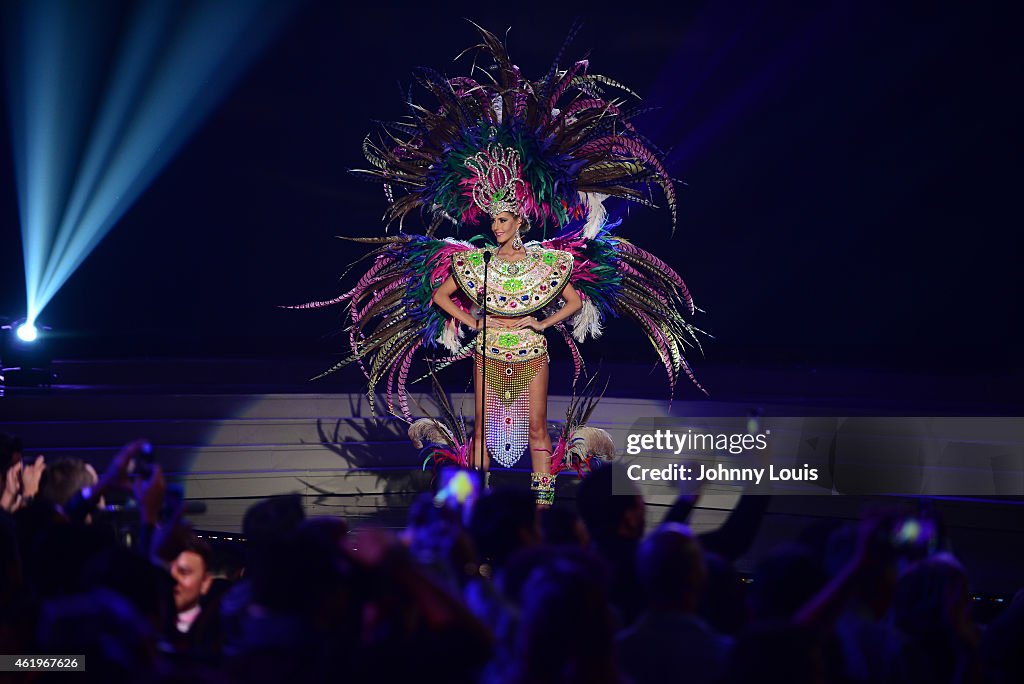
39, 45
88, 140
133, 65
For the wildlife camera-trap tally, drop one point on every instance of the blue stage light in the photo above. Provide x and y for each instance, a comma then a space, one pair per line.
27, 332
100, 100
26, 357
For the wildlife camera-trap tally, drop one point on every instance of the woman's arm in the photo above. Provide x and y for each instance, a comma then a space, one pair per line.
443, 298
573, 303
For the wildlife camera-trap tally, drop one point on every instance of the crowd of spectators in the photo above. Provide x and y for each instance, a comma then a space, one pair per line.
510, 594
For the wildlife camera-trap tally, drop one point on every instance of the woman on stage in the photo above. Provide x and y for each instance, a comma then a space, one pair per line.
520, 153
516, 390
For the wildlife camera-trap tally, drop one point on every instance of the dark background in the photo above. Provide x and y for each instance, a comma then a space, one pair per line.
852, 181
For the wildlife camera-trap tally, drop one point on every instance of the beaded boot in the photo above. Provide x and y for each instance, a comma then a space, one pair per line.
543, 487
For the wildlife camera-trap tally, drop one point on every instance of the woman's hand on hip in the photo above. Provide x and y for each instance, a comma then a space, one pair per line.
527, 322
494, 323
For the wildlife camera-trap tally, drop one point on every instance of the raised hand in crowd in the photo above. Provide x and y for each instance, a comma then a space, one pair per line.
10, 499
116, 478
30, 476
149, 494
21, 483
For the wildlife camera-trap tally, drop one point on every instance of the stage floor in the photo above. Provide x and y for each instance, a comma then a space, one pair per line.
232, 431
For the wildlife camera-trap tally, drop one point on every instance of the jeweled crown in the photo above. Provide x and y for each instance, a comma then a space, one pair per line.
497, 178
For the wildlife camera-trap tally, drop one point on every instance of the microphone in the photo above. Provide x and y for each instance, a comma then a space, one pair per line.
483, 365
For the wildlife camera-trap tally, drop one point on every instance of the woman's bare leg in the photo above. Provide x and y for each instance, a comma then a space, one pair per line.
540, 438
478, 439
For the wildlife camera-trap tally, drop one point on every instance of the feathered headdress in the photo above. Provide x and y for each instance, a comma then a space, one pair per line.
535, 148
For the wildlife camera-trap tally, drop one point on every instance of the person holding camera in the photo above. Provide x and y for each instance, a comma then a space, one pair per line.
20, 480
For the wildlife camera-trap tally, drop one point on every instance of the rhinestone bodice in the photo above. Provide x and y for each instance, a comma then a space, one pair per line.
514, 288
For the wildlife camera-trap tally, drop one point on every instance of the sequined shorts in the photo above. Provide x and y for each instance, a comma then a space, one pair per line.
514, 346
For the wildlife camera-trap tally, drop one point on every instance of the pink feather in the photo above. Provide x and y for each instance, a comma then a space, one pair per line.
577, 358
662, 344
661, 266
403, 375
562, 85
381, 294
318, 305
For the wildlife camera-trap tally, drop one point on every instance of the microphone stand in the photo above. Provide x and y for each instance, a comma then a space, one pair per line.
483, 363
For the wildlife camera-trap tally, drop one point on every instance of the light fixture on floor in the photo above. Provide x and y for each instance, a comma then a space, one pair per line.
26, 359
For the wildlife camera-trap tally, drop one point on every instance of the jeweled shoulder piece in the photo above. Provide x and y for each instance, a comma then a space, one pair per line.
514, 288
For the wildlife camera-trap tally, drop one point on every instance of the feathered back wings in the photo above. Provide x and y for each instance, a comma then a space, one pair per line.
392, 319
391, 315
615, 278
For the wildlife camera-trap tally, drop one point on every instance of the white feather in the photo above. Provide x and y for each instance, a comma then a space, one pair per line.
586, 322
596, 213
428, 430
498, 107
450, 335
591, 441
